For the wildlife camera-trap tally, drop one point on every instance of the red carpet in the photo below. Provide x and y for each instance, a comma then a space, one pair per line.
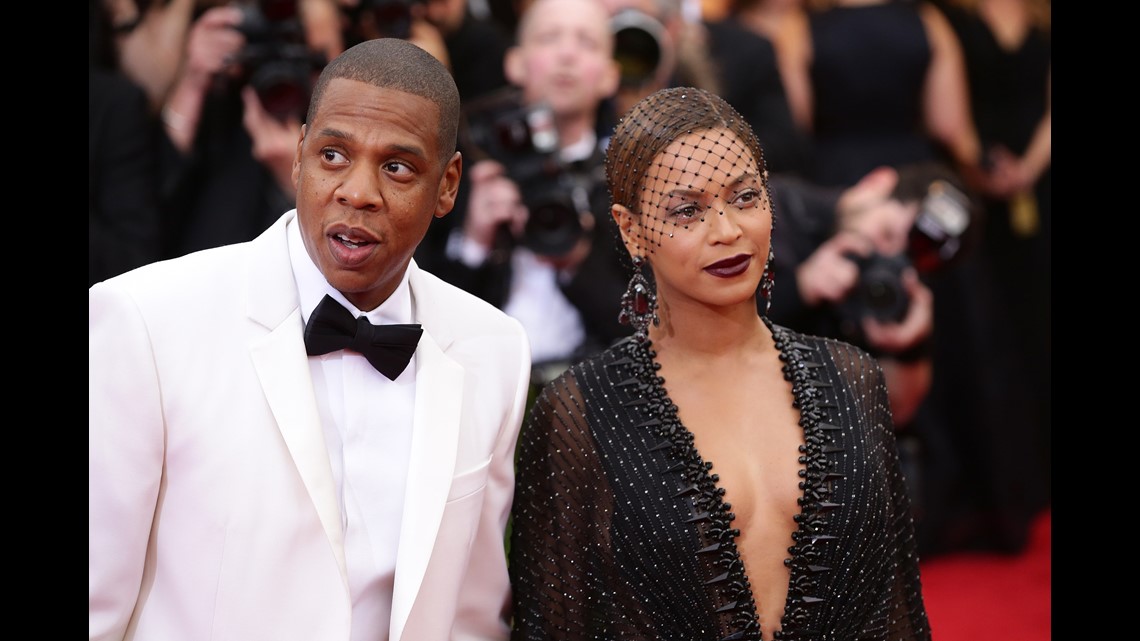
992, 597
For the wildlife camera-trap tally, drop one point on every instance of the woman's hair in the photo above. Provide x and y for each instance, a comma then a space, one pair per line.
658, 120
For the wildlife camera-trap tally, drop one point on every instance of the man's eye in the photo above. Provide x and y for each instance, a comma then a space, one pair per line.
398, 168
333, 156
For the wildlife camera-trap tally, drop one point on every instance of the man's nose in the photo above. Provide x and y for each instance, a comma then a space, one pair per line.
361, 188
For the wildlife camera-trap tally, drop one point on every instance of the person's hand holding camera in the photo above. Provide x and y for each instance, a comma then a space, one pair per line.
904, 350
274, 140
900, 341
567, 263
211, 48
885, 225
916, 325
829, 274
898, 309
495, 203
873, 189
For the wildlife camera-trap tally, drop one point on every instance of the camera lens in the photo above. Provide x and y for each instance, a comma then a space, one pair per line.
638, 46
552, 228
637, 54
884, 300
275, 61
283, 89
881, 294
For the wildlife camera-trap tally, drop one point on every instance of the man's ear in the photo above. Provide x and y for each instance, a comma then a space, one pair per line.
297, 156
449, 185
630, 229
514, 67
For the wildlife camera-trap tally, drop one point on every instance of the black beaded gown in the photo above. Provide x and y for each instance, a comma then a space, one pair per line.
620, 530
988, 475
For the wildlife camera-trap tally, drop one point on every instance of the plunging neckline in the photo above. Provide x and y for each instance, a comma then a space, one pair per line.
1005, 45
800, 372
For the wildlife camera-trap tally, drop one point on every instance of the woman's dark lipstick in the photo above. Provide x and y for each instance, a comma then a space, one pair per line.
730, 267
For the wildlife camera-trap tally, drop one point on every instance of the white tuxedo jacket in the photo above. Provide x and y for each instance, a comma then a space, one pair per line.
213, 514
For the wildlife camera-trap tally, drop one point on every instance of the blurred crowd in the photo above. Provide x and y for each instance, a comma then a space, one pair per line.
908, 144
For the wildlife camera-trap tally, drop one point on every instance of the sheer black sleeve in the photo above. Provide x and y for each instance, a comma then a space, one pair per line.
897, 611
559, 544
907, 617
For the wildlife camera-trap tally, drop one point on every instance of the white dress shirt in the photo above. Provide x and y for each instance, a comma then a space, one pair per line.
367, 421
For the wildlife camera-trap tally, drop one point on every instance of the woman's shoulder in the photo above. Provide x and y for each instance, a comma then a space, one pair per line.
781, 332
599, 379
845, 355
591, 364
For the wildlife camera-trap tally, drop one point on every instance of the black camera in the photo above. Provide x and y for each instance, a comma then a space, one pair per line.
524, 140
641, 47
936, 240
276, 61
880, 293
371, 19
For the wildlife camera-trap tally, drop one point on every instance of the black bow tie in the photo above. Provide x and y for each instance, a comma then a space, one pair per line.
388, 347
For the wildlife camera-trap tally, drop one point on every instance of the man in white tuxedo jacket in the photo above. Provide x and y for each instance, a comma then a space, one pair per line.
245, 485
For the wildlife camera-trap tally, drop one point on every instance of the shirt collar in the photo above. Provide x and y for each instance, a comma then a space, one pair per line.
581, 149
312, 286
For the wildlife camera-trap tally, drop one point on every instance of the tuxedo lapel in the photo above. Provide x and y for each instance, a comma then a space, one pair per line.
283, 368
435, 439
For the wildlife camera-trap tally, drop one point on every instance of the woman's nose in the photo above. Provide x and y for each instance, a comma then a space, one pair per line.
723, 223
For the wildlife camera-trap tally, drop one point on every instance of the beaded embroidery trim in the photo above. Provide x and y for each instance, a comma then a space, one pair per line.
822, 445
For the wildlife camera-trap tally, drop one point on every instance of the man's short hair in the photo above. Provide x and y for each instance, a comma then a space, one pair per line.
393, 63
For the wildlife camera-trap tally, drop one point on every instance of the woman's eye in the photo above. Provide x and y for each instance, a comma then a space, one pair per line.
686, 212
748, 198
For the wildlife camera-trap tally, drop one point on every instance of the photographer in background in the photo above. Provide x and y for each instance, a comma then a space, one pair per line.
476, 46
234, 113
233, 118
534, 236
666, 43
151, 35
854, 262
362, 20
858, 264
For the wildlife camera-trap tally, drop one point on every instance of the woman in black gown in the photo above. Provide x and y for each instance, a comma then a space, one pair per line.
715, 476
878, 82
1002, 413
